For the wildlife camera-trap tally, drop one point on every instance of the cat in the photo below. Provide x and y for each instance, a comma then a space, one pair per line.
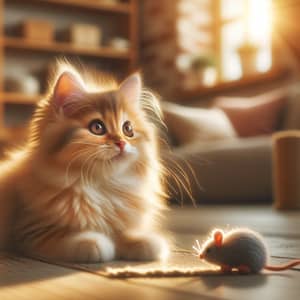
87, 185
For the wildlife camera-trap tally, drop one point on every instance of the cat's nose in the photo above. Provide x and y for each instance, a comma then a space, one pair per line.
121, 145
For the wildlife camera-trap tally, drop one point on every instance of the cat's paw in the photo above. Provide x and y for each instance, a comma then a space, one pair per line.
92, 247
150, 247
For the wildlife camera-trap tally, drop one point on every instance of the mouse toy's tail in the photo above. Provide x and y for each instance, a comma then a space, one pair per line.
287, 266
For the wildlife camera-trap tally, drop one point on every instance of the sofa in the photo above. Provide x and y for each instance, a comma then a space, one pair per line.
230, 167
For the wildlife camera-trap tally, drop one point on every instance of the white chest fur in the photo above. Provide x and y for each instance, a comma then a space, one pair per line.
109, 204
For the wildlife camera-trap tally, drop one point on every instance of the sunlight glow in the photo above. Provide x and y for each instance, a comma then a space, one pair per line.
251, 24
259, 27
259, 20
164, 254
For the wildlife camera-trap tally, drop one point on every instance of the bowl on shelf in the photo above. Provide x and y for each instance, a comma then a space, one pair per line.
22, 83
119, 43
83, 35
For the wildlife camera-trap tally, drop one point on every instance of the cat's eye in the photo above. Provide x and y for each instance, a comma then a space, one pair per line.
127, 129
97, 127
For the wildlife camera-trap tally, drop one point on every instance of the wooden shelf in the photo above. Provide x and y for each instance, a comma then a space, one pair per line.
97, 6
12, 134
61, 47
221, 87
4, 136
19, 98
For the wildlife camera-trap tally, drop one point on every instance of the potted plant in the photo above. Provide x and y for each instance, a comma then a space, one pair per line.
248, 53
200, 64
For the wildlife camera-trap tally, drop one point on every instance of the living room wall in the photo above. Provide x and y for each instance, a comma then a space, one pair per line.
286, 29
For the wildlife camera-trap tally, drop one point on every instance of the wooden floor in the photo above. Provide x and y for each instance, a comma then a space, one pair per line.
22, 278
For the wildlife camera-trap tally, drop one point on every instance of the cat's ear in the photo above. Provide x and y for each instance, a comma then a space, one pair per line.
131, 88
67, 88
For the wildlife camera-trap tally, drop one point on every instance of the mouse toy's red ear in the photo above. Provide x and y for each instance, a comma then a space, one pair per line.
218, 238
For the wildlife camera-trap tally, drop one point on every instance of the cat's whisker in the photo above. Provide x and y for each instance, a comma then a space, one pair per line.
195, 248
198, 251
182, 181
84, 143
91, 166
198, 244
76, 156
85, 171
82, 173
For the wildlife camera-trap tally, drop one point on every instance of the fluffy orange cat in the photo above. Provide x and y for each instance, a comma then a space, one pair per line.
86, 187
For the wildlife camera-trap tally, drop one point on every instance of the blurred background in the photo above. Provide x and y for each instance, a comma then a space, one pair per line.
226, 70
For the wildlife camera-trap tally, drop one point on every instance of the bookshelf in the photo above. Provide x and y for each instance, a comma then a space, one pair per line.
123, 8
66, 48
122, 15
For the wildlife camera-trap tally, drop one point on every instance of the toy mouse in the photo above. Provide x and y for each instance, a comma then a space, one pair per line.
241, 249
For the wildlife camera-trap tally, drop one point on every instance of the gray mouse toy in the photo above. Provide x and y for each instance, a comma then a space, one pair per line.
241, 249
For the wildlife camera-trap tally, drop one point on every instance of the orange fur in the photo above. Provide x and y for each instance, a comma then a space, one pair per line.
67, 195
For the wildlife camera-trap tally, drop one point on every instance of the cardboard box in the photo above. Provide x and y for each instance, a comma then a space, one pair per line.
84, 35
37, 30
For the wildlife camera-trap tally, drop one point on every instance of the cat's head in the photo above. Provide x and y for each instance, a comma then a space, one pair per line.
81, 128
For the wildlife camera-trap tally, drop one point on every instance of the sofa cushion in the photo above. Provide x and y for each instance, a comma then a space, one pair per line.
253, 116
193, 125
232, 171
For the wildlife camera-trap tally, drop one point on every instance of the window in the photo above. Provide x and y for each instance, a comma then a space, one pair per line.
230, 31
244, 22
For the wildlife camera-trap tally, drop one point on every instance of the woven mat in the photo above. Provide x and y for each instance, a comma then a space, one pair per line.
178, 264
